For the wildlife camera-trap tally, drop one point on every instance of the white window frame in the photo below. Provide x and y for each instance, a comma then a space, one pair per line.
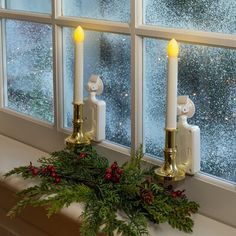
216, 197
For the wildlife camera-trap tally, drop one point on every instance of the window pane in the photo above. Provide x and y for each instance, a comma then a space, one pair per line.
204, 15
107, 55
99, 9
208, 76
42, 6
29, 68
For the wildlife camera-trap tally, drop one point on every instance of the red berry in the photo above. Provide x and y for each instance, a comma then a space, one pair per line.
53, 169
108, 176
82, 155
57, 180
35, 171
49, 167
53, 174
174, 194
119, 171
44, 170
114, 166
108, 171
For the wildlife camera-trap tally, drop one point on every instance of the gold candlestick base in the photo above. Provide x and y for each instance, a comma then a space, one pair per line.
78, 136
169, 170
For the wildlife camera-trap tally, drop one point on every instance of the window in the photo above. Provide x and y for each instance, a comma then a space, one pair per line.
205, 15
98, 9
29, 68
42, 6
207, 75
105, 54
126, 46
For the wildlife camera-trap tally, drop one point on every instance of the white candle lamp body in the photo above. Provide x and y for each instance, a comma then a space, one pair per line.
171, 105
79, 73
79, 65
172, 80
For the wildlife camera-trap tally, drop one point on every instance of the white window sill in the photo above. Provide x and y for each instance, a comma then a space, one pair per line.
13, 154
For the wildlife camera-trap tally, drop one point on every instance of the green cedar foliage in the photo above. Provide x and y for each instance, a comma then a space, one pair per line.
116, 199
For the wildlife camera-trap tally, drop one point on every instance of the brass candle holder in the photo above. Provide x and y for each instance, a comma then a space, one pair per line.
78, 137
169, 170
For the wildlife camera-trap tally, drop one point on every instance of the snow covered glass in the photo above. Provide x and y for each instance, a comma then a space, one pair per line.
107, 55
98, 9
205, 15
42, 6
29, 69
208, 76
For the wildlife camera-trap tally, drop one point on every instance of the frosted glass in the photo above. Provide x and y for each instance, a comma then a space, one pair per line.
42, 6
107, 55
29, 69
204, 15
99, 9
208, 76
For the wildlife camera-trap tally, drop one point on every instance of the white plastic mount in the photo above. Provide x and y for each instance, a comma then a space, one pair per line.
188, 137
95, 110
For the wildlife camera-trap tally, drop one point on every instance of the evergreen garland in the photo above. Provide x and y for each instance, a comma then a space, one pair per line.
83, 176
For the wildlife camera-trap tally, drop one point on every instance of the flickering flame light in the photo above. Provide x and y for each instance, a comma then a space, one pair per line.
78, 34
173, 48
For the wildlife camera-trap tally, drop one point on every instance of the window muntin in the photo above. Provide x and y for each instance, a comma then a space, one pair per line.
98, 9
41, 6
107, 55
29, 69
205, 15
208, 76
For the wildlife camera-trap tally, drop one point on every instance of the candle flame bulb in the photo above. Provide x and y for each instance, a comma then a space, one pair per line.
173, 48
79, 34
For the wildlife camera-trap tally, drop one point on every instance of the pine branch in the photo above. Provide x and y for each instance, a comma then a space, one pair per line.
66, 196
23, 170
82, 175
19, 207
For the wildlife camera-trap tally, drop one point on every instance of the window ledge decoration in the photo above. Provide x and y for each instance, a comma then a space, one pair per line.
81, 175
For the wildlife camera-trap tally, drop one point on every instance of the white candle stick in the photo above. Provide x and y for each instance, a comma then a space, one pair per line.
171, 105
79, 65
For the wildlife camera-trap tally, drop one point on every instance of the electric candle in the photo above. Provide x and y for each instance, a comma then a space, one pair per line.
79, 63
171, 105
